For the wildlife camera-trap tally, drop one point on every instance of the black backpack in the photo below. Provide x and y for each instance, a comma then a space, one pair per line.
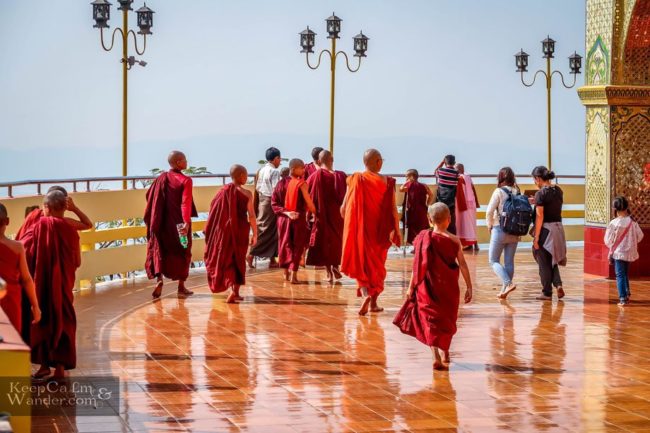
517, 215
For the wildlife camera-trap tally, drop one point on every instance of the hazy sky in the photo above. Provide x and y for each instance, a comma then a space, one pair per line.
225, 80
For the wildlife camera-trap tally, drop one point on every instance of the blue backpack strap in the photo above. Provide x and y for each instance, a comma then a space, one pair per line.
507, 191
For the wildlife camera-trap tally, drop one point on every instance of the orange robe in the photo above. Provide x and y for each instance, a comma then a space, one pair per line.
52, 248
368, 223
226, 239
10, 272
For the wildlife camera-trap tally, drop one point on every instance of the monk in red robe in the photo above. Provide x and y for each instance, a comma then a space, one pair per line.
434, 287
230, 220
327, 190
417, 198
168, 217
312, 167
15, 273
371, 222
53, 256
82, 222
291, 202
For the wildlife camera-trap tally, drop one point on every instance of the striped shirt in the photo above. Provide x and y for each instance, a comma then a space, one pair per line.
448, 176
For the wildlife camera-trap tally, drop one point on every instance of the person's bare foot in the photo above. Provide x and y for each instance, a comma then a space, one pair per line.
249, 261
184, 292
232, 298
509, 288
374, 307
560, 292
445, 357
273, 264
286, 275
59, 372
42, 372
294, 278
438, 365
364, 306
330, 276
157, 291
337, 273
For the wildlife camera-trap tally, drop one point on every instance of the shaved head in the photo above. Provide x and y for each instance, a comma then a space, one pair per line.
238, 174
326, 159
55, 201
296, 163
461, 168
3, 212
439, 213
372, 160
175, 158
58, 188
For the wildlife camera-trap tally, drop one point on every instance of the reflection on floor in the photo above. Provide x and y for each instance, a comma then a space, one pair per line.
300, 359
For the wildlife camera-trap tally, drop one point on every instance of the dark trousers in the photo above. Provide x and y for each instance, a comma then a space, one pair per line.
452, 226
622, 281
548, 273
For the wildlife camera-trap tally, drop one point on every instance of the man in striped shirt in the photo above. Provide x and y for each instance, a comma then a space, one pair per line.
447, 184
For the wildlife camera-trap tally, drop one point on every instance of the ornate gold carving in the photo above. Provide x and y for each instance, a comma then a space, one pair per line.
597, 167
630, 127
600, 15
636, 63
615, 95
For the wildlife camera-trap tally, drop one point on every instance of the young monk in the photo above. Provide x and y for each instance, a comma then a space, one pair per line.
313, 166
371, 222
417, 197
290, 202
230, 220
327, 189
14, 270
53, 256
82, 222
434, 285
168, 216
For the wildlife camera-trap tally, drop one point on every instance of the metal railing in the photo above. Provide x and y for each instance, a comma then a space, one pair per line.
86, 182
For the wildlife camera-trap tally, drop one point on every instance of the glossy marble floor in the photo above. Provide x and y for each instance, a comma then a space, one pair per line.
299, 359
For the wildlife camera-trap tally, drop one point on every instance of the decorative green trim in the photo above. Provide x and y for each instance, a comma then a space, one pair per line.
598, 63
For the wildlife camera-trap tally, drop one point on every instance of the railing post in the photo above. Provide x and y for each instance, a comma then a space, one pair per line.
38, 188
10, 191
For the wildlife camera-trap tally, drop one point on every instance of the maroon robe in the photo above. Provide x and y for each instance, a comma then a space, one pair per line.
310, 169
327, 191
436, 290
293, 235
10, 272
165, 254
26, 306
226, 239
415, 205
53, 256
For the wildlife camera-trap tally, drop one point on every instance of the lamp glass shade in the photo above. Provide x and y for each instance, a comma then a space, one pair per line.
101, 13
521, 61
575, 63
333, 26
360, 45
548, 47
145, 20
307, 40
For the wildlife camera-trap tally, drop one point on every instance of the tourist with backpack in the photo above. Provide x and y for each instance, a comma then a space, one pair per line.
621, 237
549, 241
508, 217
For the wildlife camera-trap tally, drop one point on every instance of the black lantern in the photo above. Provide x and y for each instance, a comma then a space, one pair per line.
521, 60
307, 40
360, 45
125, 5
145, 20
575, 63
333, 26
101, 13
548, 47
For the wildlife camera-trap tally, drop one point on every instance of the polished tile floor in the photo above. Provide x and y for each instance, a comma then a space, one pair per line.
299, 359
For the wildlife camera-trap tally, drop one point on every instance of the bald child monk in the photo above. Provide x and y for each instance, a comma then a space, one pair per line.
290, 202
15, 273
230, 220
327, 189
53, 256
371, 223
168, 216
434, 287
417, 198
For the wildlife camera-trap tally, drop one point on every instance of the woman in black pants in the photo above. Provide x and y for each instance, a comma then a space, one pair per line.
549, 243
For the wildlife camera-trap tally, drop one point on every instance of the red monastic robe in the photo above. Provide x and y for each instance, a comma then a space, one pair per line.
26, 307
226, 239
415, 204
293, 235
437, 294
368, 224
53, 256
169, 202
10, 272
327, 190
310, 169
30, 220
466, 206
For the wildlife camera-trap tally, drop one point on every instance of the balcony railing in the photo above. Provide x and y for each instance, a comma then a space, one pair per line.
116, 244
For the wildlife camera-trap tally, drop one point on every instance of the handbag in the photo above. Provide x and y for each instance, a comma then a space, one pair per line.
618, 242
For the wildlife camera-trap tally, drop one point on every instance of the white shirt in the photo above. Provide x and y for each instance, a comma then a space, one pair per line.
267, 178
626, 250
495, 207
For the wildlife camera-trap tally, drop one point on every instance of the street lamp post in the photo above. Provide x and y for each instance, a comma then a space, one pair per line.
548, 48
308, 41
101, 15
